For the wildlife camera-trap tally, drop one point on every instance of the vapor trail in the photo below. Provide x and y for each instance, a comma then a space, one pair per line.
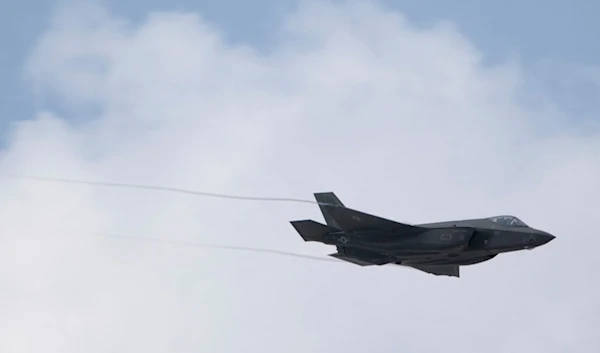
194, 244
205, 245
164, 188
182, 191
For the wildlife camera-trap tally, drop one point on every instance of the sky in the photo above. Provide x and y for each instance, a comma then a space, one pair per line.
413, 111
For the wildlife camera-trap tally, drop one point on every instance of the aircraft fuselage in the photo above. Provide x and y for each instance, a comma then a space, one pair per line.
437, 248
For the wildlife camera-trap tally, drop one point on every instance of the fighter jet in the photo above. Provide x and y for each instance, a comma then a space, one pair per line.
436, 248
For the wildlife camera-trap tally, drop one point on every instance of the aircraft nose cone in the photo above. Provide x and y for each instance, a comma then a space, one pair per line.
544, 238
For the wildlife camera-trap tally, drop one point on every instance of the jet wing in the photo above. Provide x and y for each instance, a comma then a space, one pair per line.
339, 216
352, 220
440, 270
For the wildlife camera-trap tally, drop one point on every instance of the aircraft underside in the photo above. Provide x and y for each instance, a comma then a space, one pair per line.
408, 258
441, 264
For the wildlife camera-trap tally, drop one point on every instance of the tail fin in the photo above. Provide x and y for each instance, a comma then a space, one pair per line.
328, 198
310, 230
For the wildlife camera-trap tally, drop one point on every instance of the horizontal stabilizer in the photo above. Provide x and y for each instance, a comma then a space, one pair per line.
440, 270
354, 261
310, 230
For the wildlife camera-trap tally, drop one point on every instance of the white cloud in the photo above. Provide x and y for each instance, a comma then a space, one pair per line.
402, 122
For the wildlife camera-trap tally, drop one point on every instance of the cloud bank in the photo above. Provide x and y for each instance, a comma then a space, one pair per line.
399, 121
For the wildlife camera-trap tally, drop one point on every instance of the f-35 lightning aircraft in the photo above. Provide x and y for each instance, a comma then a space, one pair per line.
436, 248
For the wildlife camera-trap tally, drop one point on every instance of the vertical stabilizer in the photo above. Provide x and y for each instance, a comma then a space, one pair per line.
328, 200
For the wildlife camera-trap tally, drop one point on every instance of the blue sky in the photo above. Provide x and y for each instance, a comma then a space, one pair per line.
406, 122
535, 31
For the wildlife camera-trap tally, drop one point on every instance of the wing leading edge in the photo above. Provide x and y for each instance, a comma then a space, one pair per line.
346, 219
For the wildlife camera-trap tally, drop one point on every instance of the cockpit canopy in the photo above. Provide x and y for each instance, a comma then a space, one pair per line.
508, 221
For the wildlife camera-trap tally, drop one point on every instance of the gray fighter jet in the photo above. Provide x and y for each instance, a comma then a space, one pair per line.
436, 248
